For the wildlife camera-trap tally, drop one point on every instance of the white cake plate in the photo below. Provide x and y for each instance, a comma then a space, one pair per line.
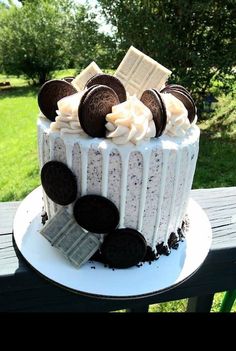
96, 280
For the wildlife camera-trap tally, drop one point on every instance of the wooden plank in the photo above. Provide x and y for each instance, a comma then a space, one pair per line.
48, 297
7, 213
200, 303
215, 191
138, 309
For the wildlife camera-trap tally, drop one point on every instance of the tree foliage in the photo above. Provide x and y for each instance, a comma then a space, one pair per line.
195, 39
46, 35
33, 39
88, 42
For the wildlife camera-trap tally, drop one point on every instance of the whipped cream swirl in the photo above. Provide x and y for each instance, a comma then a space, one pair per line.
67, 120
130, 121
177, 116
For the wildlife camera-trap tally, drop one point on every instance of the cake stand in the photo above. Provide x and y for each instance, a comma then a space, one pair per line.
93, 278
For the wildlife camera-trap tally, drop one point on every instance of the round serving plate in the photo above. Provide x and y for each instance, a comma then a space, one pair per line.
96, 280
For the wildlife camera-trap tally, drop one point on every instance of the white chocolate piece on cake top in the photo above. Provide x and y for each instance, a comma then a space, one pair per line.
139, 72
87, 73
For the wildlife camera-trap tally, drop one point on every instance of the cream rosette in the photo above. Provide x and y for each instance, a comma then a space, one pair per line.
130, 121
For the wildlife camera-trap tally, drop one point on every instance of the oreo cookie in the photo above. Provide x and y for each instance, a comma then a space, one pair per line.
59, 183
176, 87
96, 213
153, 100
110, 81
95, 104
184, 96
50, 93
124, 248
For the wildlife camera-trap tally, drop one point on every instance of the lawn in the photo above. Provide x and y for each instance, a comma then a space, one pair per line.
19, 161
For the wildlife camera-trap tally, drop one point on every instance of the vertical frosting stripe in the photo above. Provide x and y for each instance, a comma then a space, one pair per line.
51, 148
69, 149
146, 153
123, 188
160, 200
184, 187
105, 169
193, 154
179, 152
84, 167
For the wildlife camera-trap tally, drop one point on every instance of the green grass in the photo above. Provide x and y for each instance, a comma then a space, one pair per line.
19, 162
216, 162
18, 138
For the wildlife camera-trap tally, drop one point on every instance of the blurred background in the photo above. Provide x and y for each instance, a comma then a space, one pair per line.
43, 39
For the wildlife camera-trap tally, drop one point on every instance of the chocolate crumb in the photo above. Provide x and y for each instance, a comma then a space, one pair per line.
181, 234
173, 240
44, 217
93, 267
162, 249
150, 255
139, 265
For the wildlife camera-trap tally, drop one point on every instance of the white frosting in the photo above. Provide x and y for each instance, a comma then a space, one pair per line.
67, 120
130, 121
177, 116
177, 159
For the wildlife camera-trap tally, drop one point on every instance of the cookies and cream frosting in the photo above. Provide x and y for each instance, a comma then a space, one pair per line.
130, 121
67, 120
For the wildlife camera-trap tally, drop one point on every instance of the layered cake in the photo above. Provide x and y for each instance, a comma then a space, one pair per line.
117, 159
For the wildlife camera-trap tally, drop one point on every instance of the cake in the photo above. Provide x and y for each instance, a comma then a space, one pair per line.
117, 158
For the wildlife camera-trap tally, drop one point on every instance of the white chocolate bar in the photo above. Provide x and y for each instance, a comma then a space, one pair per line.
52, 229
83, 252
81, 79
64, 233
139, 72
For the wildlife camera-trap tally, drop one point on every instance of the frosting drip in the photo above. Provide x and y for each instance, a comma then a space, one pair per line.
130, 121
167, 215
177, 116
67, 120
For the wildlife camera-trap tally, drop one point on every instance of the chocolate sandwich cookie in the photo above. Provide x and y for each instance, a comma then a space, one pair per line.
176, 87
124, 248
110, 81
50, 93
184, 96
153, 100
96, 214
94, 105
59, 183
163, 109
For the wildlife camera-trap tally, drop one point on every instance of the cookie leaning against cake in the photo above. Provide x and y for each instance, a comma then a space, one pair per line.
117, 158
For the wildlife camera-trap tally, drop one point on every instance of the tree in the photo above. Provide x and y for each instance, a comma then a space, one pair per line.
88, 42
195, 39
46, 35
33, 39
